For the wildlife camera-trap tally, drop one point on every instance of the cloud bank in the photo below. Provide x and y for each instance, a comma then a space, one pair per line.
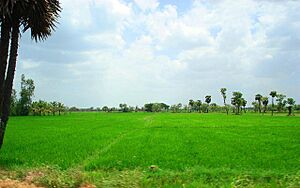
106, 52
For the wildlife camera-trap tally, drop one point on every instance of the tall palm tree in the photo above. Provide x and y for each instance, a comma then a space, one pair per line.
40, 16
207, 100
223, 92
265, 102
258, 98
273, 94
191, 105
244, 103
291, 102
5, 15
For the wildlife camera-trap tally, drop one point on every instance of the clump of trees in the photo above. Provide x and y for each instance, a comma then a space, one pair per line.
282, 105
156, 107
24, 105
238, 105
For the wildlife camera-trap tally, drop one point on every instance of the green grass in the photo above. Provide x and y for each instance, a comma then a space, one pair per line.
191, 149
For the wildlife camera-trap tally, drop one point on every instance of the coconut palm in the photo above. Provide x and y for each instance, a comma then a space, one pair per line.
5, 14
191, 105
273, 94
265, 102
207, 100
236, 101
38, 16
198, 104
291, 102
244, 103
223, 93
258, 99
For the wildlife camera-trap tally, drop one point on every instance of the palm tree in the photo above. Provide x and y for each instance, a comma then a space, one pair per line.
258, 98
244, 103
5, 6
273, 94
265, 102
38, 16
198, 105
237, 100
191, 105
207, 100
223, 92
291, 102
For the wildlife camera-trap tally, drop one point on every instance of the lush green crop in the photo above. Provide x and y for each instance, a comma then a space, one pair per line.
186, 148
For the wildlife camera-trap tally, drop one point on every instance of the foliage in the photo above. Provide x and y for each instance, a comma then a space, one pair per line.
156, 107
26, 94
237, 100
291, 102
258, 98
265, 102
223, 93
44, 108
281, 102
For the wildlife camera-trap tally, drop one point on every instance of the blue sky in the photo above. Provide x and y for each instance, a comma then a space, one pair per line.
106, 52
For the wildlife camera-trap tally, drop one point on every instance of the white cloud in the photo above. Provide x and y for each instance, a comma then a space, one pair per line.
156, 53
147, 4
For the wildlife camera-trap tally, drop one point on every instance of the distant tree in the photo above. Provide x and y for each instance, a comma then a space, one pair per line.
204, 107
236, 101
53, 107
258, 99
214, 107
136, 109
198, 104
291, 103
191, 105
156, 107
244, 103
13, 103
164, 107
207, 100
273, 94
223, 93
148, 107
281, 102
255, 106
124, 107
265, 102
105, 108
179, 107
26, 94
72, 109
60, 108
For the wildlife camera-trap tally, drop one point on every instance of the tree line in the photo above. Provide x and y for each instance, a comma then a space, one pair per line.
24, 105
238, 105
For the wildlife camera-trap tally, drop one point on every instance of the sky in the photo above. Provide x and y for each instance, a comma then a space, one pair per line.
107, 52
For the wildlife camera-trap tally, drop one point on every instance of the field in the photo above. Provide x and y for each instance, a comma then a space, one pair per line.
185, 150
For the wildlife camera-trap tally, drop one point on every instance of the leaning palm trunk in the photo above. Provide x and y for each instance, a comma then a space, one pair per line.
9, 80
4, 43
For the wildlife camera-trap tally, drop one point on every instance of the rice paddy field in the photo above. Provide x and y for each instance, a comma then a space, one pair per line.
154, 150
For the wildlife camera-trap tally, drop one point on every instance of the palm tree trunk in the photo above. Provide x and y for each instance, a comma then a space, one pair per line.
9, 80
4, 44
272, 105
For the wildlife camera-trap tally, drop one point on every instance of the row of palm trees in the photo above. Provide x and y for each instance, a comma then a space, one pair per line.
46, 108
281, 102
16, 17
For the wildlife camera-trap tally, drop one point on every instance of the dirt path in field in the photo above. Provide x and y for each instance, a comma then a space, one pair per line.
105, 149
8, 183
